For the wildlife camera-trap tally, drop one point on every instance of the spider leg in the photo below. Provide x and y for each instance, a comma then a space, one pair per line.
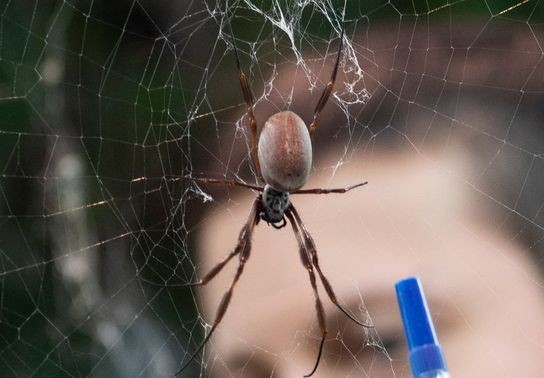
327, 191
227, 182
305, 258
310, 245
215, 270
327, 91
248, 97
243, 249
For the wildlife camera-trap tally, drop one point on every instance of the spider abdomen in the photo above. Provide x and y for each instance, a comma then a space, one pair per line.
285, 152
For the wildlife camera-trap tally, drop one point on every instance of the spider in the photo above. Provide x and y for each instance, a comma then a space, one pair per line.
282, 158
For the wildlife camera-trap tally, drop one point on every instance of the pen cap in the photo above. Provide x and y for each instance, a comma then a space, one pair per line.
425, 352
415, 313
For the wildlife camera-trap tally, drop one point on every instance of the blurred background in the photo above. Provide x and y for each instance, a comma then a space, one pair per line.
105, 106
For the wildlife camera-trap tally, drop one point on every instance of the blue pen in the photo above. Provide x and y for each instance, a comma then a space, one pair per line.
426, 357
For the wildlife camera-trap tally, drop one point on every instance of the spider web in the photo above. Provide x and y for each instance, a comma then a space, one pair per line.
106, 108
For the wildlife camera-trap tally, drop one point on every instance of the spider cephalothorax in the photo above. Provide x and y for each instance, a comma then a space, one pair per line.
275, 204
282, 158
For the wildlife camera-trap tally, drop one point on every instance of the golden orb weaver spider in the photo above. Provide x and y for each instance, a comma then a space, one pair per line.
282, 157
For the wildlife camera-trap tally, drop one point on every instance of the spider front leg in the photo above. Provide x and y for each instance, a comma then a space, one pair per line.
243, 249
310, 245
305, 258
